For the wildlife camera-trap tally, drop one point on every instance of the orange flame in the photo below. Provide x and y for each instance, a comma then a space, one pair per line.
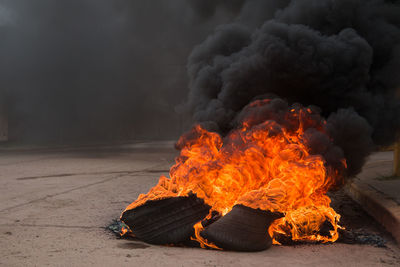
267, 166
198, 227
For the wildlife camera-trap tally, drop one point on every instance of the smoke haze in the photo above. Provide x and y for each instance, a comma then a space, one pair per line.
90, 69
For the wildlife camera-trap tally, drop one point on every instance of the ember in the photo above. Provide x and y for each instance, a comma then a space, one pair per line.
270, 164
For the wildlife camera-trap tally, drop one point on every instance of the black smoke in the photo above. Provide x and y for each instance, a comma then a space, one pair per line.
340, 55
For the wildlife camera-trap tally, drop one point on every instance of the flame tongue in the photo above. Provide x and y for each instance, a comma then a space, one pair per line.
263, 164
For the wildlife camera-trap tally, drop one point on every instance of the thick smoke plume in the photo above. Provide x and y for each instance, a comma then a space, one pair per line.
340, 55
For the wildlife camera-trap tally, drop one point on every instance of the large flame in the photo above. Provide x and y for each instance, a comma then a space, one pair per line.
265, 166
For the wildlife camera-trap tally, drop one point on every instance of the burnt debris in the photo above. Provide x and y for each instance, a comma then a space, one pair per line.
242, 229
166, 221
170, 222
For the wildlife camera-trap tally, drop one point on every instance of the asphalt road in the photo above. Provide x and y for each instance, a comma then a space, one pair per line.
55, 205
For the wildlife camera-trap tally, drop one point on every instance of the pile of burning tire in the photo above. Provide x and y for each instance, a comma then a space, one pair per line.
171, 221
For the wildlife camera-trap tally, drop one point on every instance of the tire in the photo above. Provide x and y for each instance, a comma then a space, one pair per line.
242, 229
166, 221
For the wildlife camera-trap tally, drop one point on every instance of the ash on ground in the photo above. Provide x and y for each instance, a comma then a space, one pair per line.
360, 228
116, 227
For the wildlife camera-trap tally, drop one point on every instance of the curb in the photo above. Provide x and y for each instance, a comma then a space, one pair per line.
46, 148
385, 210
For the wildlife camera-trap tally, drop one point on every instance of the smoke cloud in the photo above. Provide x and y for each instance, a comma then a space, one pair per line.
342, 56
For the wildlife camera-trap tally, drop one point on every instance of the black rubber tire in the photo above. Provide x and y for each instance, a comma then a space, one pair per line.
166, 221
242, 229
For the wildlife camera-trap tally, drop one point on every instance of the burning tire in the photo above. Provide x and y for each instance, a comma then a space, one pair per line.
242, 229
166, 221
